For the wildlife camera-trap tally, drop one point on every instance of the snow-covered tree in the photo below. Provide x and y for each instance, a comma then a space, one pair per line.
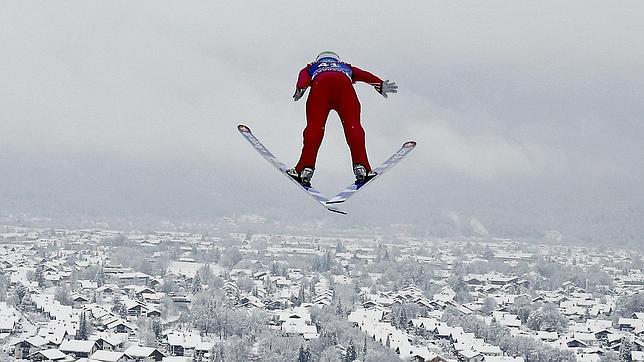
330, 354
118, 307
625, 350
84, 327
489, 305
196, 284
305, 354
548, 318
100, 277
351, 353
62, 295
147, 336
39, 276
364, 347
628, 305
300, 296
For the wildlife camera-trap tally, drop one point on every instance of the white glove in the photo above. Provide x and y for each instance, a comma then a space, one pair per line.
386, 87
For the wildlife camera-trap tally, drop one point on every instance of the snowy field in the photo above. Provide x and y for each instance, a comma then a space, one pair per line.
190, 269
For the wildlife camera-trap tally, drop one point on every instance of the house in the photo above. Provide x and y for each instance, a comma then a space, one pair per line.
79, 348
474, 280
361, 315
471, 356
57, 331
638, 345
602, 335
548, 336
428, 324
134, 308
637, 356
119, 326
139, 290
508, 320
7, 325
107, 289
153, 313
261, 275
588, 338
88, 284
443, 332
138, 353
575, 343
614, 341
489, 350
306, 331
250, 302
27, 346
629, 324
154, 298
50, 355
422, 354
107, 356
104, 344
501, 280
79, 299
637, 315
136, 278
183, 344
110, 342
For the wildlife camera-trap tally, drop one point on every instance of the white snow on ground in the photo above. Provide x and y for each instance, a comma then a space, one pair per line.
190, 269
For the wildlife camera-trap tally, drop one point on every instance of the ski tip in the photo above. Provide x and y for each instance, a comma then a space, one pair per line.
243, 128
409, 144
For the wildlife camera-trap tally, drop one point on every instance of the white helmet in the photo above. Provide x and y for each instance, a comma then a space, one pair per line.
327, 54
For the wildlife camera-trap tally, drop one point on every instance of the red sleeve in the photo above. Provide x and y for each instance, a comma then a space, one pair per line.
304, 79
359, 75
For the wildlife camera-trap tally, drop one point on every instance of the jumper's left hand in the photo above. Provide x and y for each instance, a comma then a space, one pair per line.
386, 87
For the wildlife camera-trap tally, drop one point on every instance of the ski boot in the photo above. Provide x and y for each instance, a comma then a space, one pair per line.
362, 176
303, 178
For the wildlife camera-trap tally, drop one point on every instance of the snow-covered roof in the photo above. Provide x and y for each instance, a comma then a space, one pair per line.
36, 341
50, 354
503, 359
7, 324
106, 356
469, 353
299, 329
77, 346
140, 352
185, 340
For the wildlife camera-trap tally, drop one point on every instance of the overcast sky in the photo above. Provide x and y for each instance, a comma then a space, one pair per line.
497, 95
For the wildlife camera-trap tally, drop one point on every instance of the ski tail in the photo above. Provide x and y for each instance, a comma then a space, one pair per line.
268, 156
353, 188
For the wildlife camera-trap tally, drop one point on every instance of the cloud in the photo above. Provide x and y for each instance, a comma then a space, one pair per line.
484, 156
545, 94
478, 228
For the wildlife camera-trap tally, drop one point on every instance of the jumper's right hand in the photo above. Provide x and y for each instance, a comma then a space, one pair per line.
299, 92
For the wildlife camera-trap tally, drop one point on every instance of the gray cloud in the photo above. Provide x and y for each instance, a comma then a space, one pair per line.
546, 95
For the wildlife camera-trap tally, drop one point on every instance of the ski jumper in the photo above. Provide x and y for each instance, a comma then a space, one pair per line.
331, 85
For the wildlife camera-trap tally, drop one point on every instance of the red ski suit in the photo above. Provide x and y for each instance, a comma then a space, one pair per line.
333, 91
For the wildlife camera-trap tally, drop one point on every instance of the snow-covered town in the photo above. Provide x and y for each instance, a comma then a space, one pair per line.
111, 295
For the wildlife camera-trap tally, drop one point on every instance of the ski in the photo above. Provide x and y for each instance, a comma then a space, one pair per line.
259, 147
351, 190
